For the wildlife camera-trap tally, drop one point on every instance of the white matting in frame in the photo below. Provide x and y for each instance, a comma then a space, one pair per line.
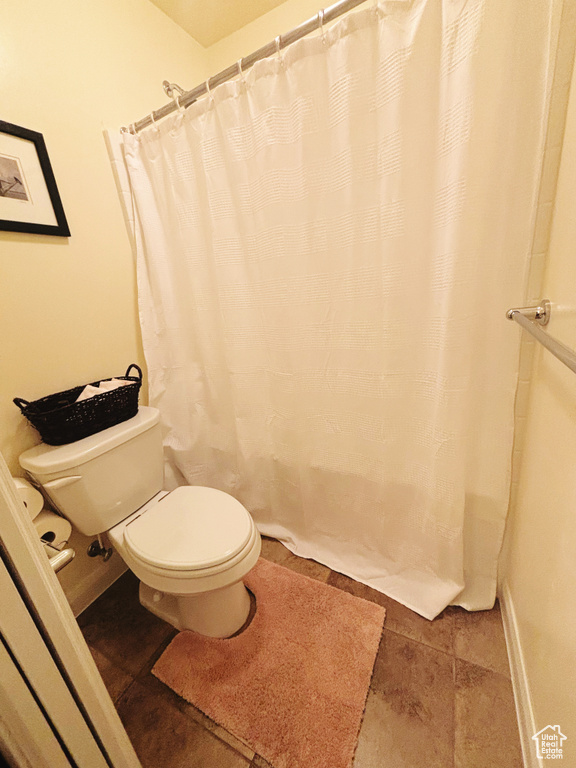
29, 199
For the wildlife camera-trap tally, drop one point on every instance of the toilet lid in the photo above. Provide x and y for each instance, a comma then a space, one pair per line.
191, 528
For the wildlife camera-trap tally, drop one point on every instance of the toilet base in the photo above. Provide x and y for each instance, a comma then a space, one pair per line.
219, 613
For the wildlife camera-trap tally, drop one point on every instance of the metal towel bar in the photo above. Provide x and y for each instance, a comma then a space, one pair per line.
531, 318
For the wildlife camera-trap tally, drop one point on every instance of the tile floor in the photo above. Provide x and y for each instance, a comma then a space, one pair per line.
440, 695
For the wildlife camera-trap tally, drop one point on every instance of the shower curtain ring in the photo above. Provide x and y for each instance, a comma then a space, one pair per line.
278, 41
208, 91
241, 72
321, 25
175, 93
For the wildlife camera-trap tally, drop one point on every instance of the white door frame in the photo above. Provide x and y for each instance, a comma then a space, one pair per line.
26, 737
63, 643
40, 694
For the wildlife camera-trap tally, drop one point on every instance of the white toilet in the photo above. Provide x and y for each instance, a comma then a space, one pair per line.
190, 548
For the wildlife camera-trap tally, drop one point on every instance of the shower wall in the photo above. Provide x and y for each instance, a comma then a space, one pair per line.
556, 123
540, 567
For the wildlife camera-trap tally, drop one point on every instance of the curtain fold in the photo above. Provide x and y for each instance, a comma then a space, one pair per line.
326, 250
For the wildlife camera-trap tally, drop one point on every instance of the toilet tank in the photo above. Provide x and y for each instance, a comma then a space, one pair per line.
98, 481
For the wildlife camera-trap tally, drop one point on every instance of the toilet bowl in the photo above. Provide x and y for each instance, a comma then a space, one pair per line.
190, 547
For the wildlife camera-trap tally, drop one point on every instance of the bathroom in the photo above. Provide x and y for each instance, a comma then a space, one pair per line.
70, 312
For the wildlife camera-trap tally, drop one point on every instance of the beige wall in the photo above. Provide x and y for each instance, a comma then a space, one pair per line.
68, 306
540, 578
259, 32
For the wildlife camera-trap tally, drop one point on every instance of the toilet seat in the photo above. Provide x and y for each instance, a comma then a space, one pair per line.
192, 528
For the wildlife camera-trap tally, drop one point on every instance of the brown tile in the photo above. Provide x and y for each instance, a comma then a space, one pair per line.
409, 717
163, 734
436, 633
122, 630
277, 553
486, 724
115, 679
479, 638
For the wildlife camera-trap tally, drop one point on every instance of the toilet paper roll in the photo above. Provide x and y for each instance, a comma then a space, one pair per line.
52, 528
32, 498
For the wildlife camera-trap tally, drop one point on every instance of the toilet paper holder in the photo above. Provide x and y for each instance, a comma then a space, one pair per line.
33, 500
58, 558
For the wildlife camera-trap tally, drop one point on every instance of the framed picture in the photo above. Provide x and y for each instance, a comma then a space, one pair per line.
29, 199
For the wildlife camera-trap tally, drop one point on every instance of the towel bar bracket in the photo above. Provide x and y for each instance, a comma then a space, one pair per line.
530, 318
539, 314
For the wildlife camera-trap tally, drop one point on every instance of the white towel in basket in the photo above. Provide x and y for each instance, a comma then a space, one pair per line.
104, 386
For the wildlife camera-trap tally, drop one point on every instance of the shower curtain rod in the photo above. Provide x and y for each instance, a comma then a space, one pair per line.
187, 98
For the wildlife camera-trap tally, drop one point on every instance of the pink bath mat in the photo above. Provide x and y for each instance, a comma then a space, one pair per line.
293, 685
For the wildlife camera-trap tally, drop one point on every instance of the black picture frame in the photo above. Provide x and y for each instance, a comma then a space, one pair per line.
29, 198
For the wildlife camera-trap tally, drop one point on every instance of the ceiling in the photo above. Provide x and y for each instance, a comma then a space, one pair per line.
208, 21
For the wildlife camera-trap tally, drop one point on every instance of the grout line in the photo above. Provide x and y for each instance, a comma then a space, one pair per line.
227, 743
486, 669
420, 642
146, 667
120, 698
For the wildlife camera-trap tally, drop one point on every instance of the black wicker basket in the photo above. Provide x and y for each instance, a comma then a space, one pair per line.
60, 419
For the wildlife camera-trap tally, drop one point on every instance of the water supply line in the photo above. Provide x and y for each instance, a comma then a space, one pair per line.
97, 549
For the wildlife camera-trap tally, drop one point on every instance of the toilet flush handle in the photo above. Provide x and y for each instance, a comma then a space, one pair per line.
61, 482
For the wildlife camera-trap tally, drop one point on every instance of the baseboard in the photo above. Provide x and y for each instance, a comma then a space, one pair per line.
520, 683
83, 593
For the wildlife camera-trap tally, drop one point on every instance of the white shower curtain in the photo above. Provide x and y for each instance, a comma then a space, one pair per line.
326, 250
